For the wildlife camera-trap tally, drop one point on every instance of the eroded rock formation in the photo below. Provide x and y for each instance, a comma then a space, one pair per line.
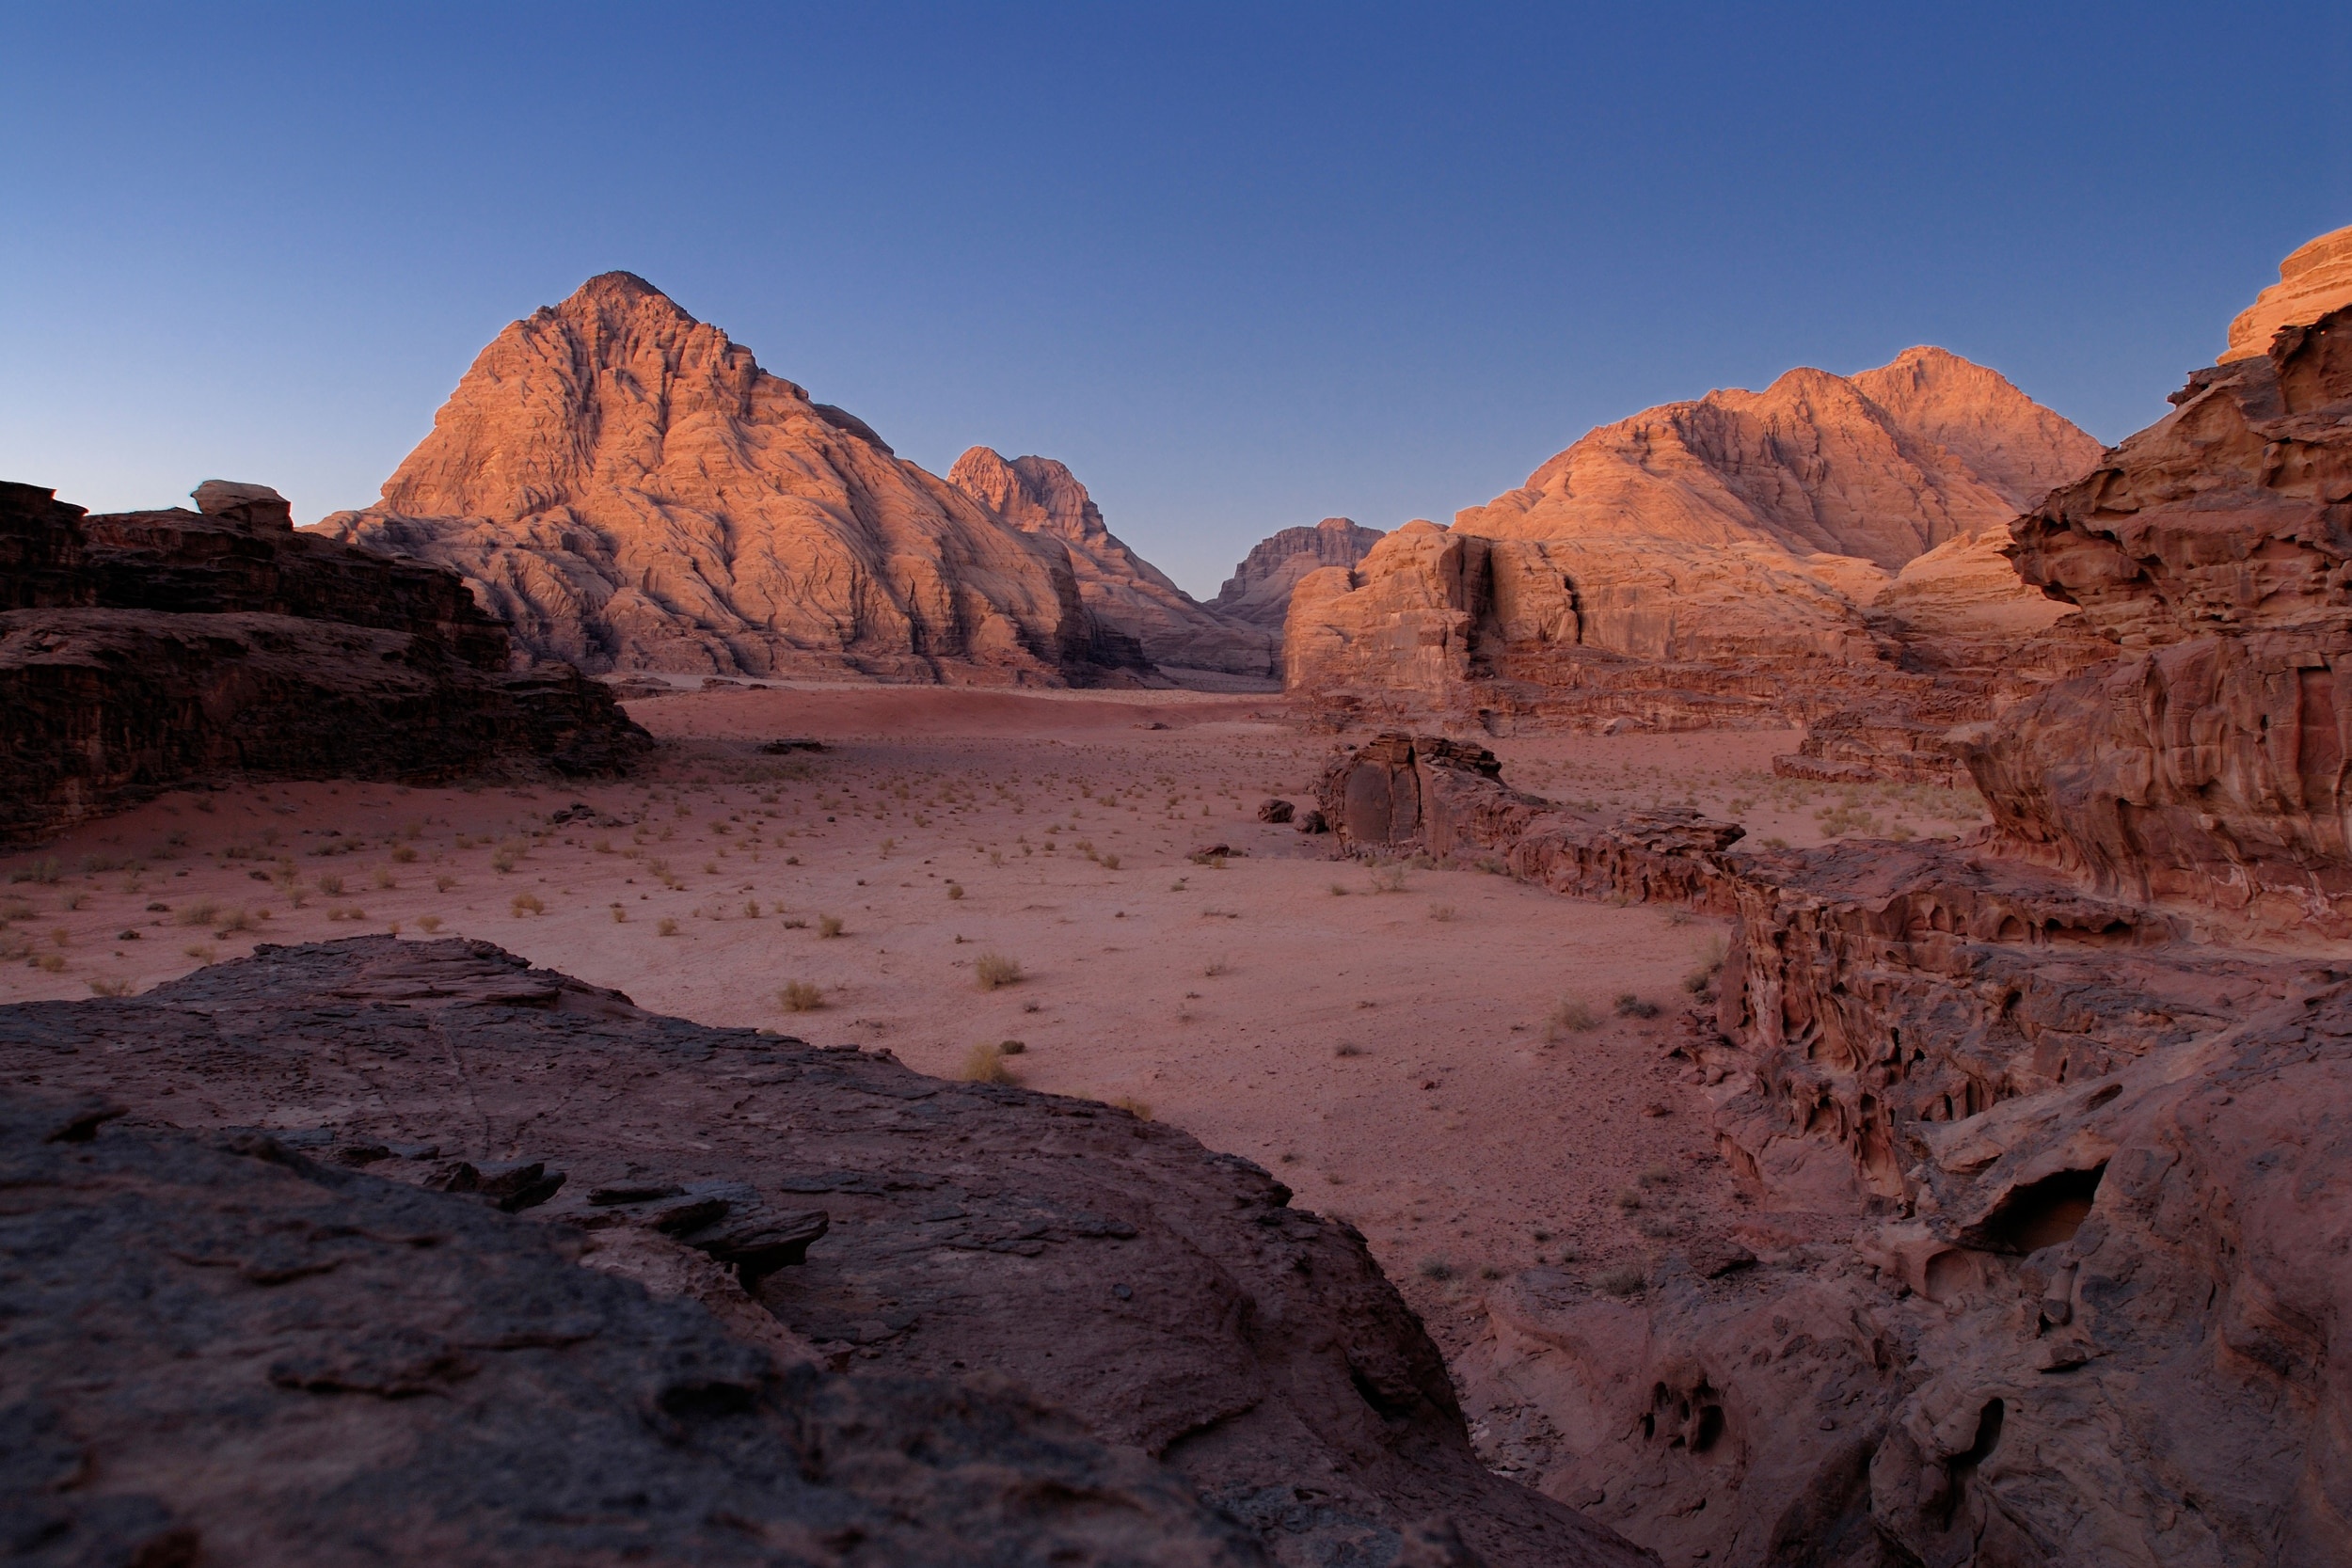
2316, 278
1259, 591
144, 649
629, 490
2212, 761
985, 1255
1752, 558
2048, 1252
1124, 594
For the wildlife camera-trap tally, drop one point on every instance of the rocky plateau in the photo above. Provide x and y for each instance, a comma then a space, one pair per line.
146, 649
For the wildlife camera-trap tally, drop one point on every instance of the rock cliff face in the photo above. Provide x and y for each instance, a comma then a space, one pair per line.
2315, 279
2209, 762
1259, 591
716, 1242
141, 650
1125, 593
629, 490
1752, 558
2050, 1252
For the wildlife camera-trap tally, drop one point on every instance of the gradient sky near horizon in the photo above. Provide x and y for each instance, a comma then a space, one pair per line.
1241, 266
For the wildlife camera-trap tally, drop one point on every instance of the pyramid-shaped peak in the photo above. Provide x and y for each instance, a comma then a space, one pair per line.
622, 293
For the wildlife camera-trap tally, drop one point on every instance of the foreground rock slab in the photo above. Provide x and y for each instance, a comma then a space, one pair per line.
1166, 1298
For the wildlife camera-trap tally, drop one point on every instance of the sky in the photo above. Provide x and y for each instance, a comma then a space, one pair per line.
1241, 266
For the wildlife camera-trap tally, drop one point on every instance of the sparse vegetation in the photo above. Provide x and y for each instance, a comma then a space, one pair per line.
955, 890
667, 928
1436, 1268
429, 924
828, 925
526, 903
1441, 911
1622, 1280
800, 996
1139, 1109
1573, 1016
1631, 1006
200, 912
985, 1063
991, 970
110, 988
1215, 967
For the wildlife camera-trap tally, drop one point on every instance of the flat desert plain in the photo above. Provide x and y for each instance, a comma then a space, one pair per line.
1438, 1056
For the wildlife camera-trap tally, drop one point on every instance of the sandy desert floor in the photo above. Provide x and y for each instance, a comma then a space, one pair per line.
1387, 1040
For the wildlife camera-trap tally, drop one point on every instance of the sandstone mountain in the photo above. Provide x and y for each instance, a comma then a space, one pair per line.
2316, 278
629, 490
1259, 591
145, 650
1749, 558
1884, 466
1128, 599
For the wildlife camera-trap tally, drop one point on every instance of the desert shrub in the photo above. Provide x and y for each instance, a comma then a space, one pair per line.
1139, 1109
1631, 1006
331, 886
203, 952
526, 903
1441, 911
828, 925
668, 927
429, 924
1215, 967
443, 882
234, 920
801, 996
1339, 890
406, 854
1436, 1268
50, 963
200, 913
1110, 863
955, 890
1573, 1016
985, 1063
41, 871
1345, 1049
1657, 1176
1622, 1280
110, 988
1012, 1048
1387, 879
620, 915
796, 924
991, 970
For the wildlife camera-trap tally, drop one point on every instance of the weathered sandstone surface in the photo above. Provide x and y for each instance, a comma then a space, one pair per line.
629, 490
140, 650
1259, 591
2051, 1220
1067, 1335
1827, 545
2212, 760
1127, 597
2316, 278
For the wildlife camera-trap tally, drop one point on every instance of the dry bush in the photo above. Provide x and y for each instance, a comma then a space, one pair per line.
1110, 863
202, 912
796, 924
668, 927
955, 890
1344, 1049
828, 925
1631, 1006
203, 952
1573, 1016
443, 882
1140, 1110
331, 886
429, 924
526, 903
1012, 1048
1436, 1268
992, 970
110, 988
1215, 967
406, 854
50, 963
1441, 911
620, 915
985, 1063
1622, 1280
236, 920
800, 996
1387, 879
1628, 1199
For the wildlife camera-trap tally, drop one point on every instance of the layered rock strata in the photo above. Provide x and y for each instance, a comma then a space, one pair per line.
2043, 1266
2316, 278
986, 1254
2212, 761
1129, 597
1259, 591
1755, 558
142, 650
629, 490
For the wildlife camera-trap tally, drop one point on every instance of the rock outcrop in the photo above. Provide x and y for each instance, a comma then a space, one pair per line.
2316, 278
146, 649
2050, 1255
1128, 596
1750, 558
1065, 1329
1259, 591
629, 490
2212, 761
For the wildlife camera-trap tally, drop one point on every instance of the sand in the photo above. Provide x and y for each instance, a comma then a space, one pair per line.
1386, 1039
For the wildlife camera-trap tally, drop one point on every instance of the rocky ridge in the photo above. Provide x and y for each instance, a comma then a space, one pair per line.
631, 491
1068, 1334
146, 649
1756, 558
1259, 591
1128, 599
2316, 278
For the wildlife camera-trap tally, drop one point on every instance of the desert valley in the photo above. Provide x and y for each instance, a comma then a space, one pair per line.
680, 987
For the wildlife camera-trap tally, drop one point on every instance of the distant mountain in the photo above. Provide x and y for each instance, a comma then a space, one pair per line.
1129, 596
1259, 591
1882, 466
631, 491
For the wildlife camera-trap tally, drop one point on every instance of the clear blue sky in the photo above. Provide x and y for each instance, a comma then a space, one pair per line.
1241, 266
